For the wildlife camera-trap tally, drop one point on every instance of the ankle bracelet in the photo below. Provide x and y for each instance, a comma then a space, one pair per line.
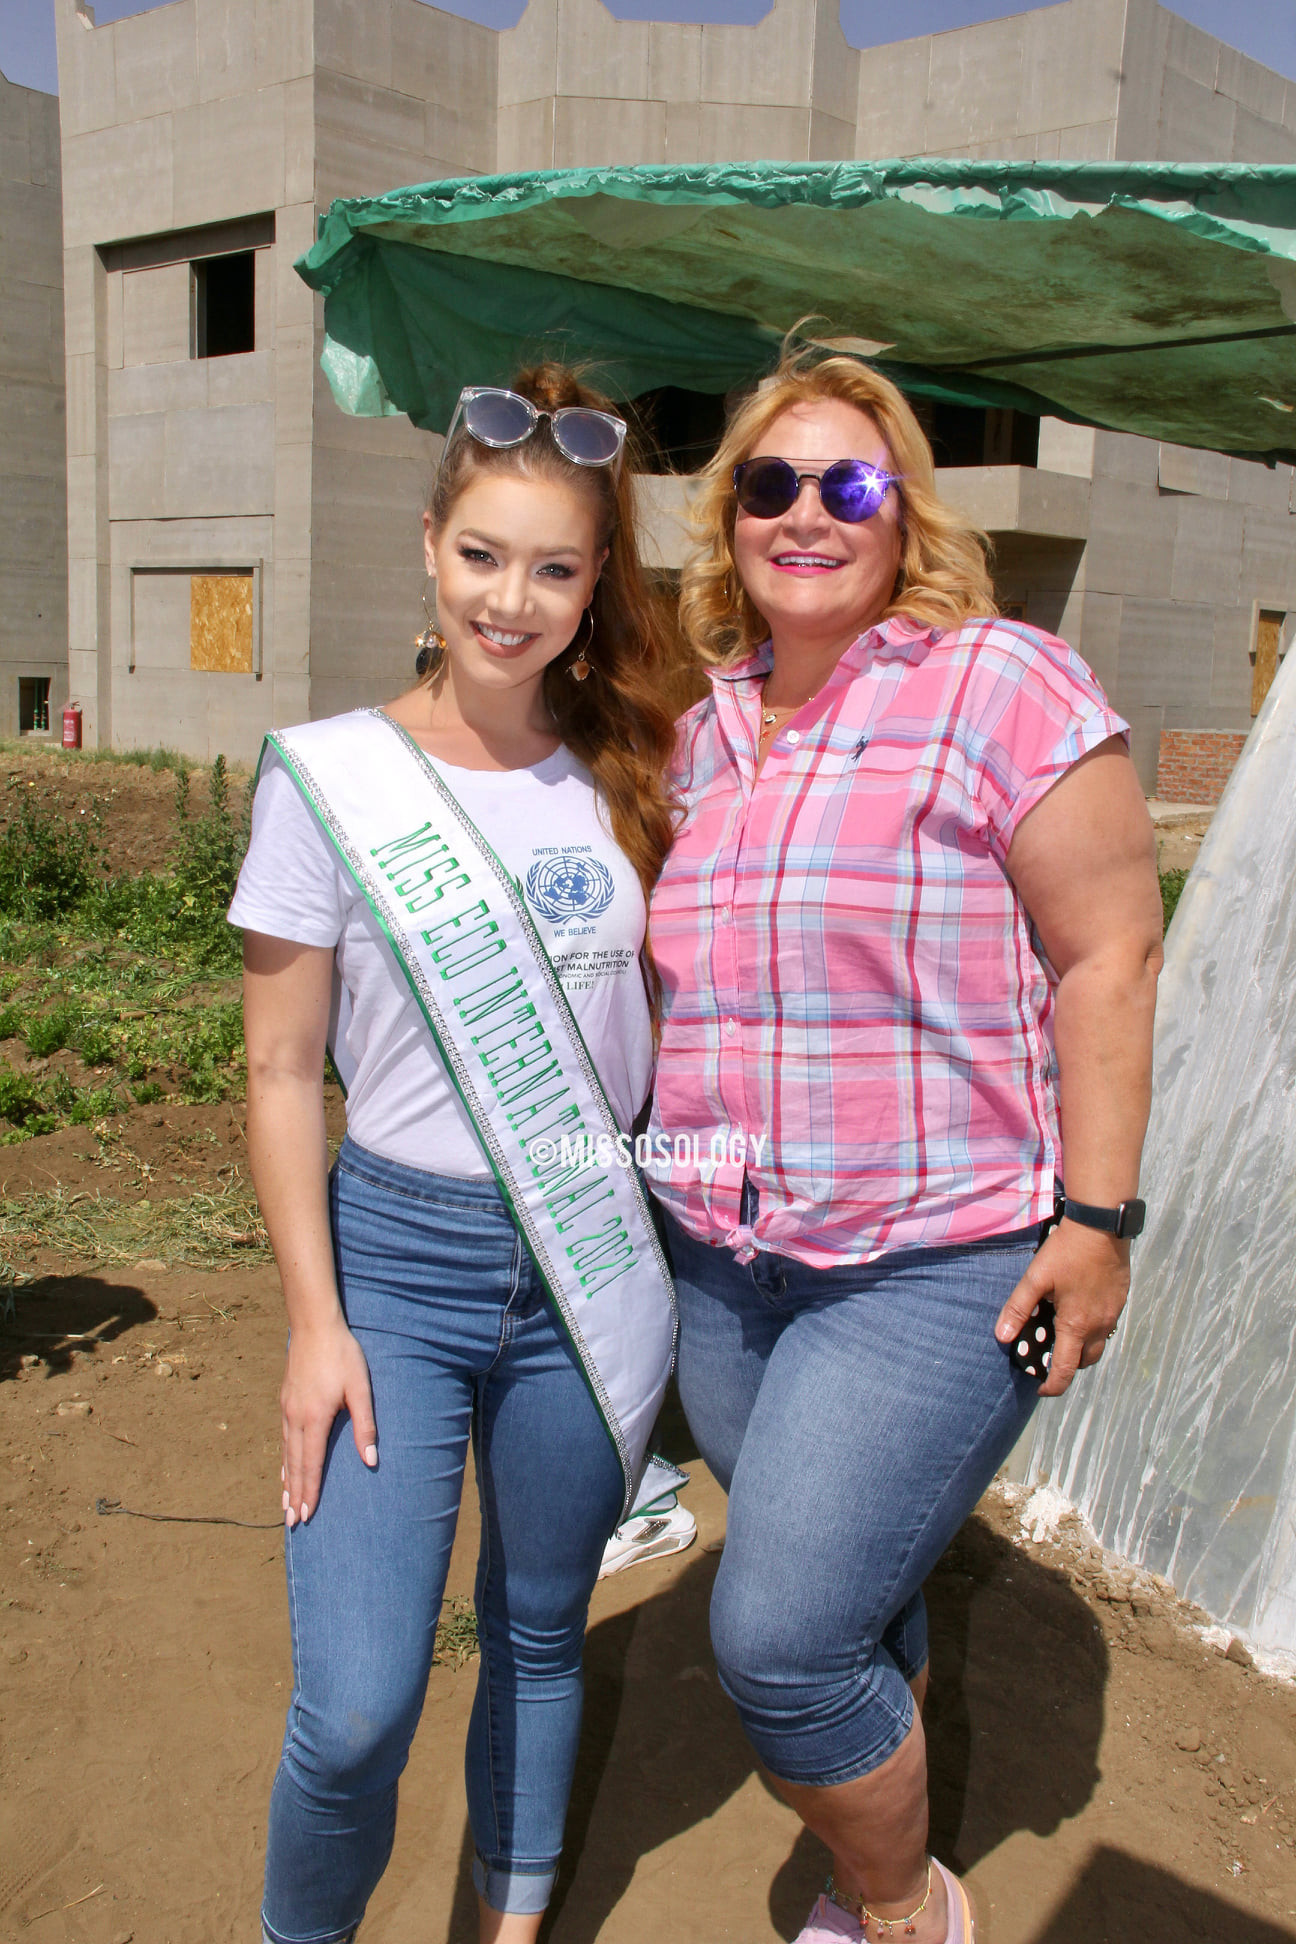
884, 1926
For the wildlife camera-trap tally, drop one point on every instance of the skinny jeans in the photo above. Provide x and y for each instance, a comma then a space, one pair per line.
461, 1341
855, 1415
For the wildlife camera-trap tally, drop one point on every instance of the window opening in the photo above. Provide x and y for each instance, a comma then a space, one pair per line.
220, 623
33, 705
224, 298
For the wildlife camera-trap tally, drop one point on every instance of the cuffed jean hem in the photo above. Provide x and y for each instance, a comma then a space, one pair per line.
517, 1893
795, 1753
269, 1936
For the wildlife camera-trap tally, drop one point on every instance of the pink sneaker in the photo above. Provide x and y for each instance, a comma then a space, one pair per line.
828, 1923
960, 1929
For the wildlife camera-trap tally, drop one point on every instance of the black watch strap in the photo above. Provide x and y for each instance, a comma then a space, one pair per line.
1125, 1221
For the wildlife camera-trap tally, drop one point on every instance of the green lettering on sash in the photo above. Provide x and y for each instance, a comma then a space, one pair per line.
511, 1021
568, 1120
578, 1201
433, 934
426, 899
395, 847
537, 1107
561, 1174
464, 948
593, 1256
599, 1281
601, 1244
519, 1092
525, 1059
500, 990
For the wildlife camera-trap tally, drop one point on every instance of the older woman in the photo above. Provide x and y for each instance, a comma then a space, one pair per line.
908, 938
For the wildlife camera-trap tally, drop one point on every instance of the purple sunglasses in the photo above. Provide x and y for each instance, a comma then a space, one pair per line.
851, 490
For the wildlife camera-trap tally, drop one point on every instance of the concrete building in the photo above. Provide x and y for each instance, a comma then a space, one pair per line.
242, 554
33, 498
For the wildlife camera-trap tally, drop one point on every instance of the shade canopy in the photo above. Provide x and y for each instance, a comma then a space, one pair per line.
1153, 298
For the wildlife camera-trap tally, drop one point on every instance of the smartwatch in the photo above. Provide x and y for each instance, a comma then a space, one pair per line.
1124, 1221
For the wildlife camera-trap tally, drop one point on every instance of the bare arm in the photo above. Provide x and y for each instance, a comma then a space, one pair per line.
1084, 864
286, 992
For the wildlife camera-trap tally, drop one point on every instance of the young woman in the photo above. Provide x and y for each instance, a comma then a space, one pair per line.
450, 894
908, 937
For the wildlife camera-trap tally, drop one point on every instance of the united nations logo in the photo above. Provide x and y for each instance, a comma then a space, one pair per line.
569, 886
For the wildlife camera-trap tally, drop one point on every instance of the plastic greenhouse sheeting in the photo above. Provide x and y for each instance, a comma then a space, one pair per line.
1154, 298
1180, 1446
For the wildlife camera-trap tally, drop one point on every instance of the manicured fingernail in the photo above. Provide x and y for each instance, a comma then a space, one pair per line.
305, 1512
285, 1499
371, 1454
290, 1518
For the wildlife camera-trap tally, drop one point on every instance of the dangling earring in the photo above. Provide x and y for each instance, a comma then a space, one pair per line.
579, 670
431, 643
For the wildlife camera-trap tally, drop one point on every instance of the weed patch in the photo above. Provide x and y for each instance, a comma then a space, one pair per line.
127, 983
1172, 884
204, 1231
456, 1634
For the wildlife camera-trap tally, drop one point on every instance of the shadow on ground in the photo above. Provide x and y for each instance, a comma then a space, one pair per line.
1014, 1721
57, 1317
1117, 1897
1018, 1661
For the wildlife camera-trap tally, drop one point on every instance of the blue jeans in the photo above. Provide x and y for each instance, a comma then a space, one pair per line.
855, 1415
460, 1338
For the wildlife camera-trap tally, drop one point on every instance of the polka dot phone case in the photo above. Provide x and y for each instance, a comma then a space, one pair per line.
1032, 1353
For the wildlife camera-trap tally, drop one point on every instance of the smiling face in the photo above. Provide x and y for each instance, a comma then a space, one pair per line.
820, 582
515, 565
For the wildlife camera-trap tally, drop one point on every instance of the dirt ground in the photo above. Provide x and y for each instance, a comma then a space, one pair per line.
1102, 1775
1180, 828
130, 807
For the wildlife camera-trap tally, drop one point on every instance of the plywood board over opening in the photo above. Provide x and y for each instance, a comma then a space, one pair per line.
221, 631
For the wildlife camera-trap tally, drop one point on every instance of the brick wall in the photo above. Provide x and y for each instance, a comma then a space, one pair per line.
1195, 764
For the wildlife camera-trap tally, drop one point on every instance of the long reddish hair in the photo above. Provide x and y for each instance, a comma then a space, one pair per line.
619, 722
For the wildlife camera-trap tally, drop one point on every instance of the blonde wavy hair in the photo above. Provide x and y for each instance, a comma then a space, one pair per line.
944, 577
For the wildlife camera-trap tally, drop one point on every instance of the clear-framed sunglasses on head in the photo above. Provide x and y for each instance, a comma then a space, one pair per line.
499, 418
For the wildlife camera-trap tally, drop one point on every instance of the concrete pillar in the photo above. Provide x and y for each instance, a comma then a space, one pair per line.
89, 632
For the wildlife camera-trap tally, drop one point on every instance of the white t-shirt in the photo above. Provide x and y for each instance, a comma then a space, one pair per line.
585, 897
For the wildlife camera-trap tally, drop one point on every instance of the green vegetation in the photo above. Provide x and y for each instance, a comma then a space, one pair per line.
129, 982
202, 1230
1172, 884
456, 1634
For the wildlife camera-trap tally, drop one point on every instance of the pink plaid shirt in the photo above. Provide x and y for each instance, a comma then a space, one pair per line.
851, 991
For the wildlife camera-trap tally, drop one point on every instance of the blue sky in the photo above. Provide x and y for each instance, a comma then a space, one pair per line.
1265, 29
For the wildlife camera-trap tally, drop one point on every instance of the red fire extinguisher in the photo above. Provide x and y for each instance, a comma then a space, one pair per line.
72, 726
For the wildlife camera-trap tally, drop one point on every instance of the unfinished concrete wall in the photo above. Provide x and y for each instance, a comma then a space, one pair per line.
1044, 85
183, 123
577, 87
404, 93
1187, 97
180, 129
33, 461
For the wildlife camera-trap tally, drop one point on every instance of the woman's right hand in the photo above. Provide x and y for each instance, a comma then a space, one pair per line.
325, 1372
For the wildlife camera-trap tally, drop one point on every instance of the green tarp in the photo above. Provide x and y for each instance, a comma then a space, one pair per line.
1154, 298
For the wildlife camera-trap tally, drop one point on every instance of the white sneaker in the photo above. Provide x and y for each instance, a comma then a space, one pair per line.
649, 1536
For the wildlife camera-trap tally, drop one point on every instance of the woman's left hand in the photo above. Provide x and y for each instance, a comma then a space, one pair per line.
1085, 1274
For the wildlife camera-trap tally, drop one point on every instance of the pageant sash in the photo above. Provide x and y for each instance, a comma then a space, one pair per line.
488, 992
